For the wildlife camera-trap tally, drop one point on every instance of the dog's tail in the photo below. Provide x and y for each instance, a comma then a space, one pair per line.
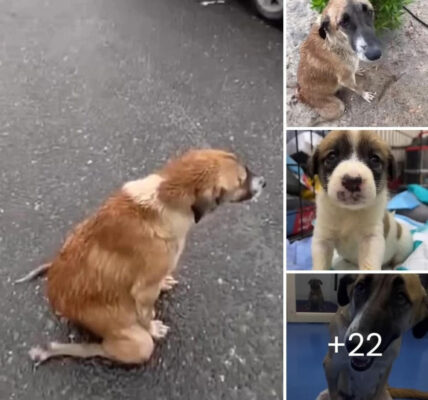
40, 270
398, 393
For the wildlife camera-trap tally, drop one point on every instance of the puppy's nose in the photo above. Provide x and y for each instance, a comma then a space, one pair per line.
373, 53
352, 183
262, 182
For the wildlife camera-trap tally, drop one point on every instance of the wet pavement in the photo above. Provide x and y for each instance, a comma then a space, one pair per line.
94, 93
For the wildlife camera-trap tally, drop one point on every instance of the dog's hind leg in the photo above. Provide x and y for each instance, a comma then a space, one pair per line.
330, 108
133, 345
82, 350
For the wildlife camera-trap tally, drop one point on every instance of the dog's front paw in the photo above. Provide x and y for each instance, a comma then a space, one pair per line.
361, 71
324, 395
368, 96
168, 283
157, 329
365, 267
38, 354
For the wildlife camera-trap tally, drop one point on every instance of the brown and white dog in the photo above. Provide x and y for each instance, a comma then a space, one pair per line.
387, 305
353, 168
113, 266
329, 57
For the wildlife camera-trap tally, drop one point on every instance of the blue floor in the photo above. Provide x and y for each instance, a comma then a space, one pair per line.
307, 347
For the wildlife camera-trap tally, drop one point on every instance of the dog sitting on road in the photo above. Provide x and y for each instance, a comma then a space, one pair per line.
353, 168
113, 266
384, 304
329, 57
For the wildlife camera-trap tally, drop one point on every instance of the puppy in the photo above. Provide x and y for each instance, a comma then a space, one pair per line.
386, 305
112, 267
353, 168
316, 298
330, 55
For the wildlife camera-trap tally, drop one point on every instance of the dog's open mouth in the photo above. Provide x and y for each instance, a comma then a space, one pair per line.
350, 198
361, 363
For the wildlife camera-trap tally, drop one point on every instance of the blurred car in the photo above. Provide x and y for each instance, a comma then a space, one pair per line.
271, 10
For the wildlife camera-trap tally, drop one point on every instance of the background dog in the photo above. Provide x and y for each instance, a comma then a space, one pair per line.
316, 298
329, 57
353, 168
386, 304
113, 266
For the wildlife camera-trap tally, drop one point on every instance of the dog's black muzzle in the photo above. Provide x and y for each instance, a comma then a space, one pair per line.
368, 44
362, 363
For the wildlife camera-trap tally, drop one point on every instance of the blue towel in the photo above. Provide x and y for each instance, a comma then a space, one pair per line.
420, 192
403, 201
299, 256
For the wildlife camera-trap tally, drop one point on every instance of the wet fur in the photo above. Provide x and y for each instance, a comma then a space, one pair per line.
113, 266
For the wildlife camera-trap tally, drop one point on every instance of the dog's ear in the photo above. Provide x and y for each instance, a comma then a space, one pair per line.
312, 165
421, 328
342, 293
319, 281
324, 25
392, 167
310, 282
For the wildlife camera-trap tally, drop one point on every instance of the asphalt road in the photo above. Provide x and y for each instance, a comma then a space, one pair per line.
97, 92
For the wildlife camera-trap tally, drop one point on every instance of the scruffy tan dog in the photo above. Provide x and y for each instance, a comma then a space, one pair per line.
114, 264
329, 57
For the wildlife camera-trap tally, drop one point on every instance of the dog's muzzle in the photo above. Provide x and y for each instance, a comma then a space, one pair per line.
358, 363
361, 363
368, 46
258, 183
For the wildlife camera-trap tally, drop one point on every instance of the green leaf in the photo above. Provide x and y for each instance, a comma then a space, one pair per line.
388, 13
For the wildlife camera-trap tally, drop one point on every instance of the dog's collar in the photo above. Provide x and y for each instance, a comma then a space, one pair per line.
197, 214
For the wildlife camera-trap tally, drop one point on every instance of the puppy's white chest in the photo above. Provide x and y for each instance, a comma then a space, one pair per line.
347, 244
347, 236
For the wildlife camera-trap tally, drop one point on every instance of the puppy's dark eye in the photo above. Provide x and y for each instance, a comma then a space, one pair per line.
375, 161
331, 158
345, 19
